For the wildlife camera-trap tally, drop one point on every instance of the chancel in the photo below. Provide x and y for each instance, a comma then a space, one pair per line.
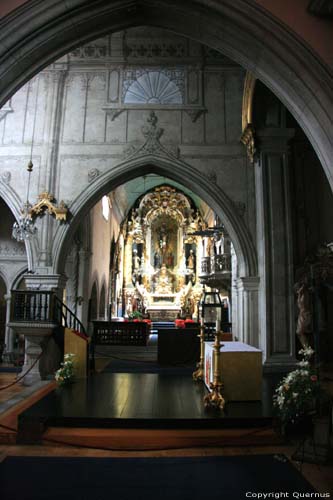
165, 199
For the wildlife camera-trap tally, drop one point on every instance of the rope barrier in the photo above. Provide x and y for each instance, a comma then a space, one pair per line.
22, 376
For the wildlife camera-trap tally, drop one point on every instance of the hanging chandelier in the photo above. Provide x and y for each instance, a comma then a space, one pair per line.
25, 228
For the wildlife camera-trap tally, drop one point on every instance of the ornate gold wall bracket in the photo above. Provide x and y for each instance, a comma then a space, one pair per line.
46, 203
249, 140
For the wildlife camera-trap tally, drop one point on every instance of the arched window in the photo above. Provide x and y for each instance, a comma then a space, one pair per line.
153, 87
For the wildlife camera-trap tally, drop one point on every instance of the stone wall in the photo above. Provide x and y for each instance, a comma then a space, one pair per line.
78, 118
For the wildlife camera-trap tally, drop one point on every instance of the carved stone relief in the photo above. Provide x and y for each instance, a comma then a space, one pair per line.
152, 145
6, 177
93, 174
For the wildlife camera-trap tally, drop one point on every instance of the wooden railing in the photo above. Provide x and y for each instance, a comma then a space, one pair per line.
120, 333
41, 307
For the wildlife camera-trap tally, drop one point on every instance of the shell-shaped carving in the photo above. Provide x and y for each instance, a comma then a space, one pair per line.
153, 87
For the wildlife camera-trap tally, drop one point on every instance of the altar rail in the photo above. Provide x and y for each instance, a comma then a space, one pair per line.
120, 333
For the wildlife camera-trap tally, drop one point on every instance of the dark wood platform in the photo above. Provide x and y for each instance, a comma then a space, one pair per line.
113, 403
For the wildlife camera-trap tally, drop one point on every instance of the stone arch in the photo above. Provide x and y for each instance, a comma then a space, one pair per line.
178, 171
242, 30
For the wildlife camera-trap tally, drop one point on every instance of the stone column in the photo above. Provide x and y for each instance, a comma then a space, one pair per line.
9, 335
274, 237
49, 173
32, 349
239, 292
82, 299
250, 286
246, 291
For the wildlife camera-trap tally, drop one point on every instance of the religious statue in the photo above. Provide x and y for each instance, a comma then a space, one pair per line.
304, 313
136, 260
163, 281
190, 260
170, 259
157, 260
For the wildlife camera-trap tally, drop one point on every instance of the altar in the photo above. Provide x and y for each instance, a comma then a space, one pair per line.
163, 312
241, 370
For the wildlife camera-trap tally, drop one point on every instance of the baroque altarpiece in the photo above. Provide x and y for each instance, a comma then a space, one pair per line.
162, 258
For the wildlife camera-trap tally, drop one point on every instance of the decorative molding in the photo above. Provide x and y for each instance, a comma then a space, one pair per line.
240, 207
321, 8
248, 93
113, 112
11, 250
194, 113
212, 176
6, 177
156, 48
156, 85
45, 204
93, 174
89, 52
248, 138
152, 145
5, 110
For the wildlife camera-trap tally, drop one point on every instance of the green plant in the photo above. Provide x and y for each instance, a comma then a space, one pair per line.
135, 315
298, 392
65, 375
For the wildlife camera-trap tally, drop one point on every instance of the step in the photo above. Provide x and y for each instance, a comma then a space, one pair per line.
158, 439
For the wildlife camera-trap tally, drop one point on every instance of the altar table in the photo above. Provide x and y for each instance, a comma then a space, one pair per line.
241, 370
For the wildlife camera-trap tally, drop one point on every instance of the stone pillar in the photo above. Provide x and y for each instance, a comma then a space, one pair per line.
32, 349
250, 286
239, 292
274, 237
246, 291
82, 299
9, 334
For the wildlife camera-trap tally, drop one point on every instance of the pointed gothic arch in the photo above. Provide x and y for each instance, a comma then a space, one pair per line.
240, 29
178, 171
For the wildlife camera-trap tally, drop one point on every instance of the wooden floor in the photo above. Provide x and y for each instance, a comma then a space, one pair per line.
117, 399
321, 477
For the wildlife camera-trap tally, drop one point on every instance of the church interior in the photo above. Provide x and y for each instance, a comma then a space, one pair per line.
166, 221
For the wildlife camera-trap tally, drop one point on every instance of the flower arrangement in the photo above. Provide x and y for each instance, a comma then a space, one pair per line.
297, 393
65, 374
135, 315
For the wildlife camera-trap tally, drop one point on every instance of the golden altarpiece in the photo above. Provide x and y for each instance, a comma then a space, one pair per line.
162, 259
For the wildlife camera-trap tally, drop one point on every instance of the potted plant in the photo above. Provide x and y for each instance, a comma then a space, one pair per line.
297, 395
66, 373
135, 316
